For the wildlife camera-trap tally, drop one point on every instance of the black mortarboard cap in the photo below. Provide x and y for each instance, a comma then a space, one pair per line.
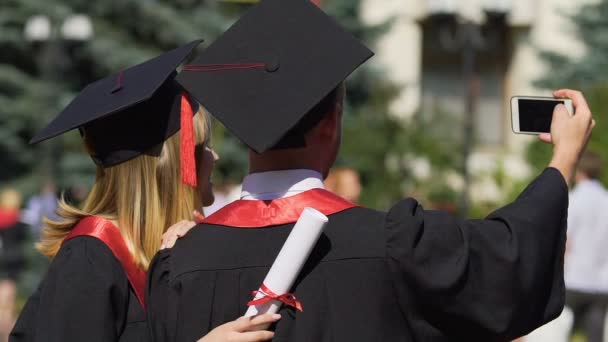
263, 75
127, 114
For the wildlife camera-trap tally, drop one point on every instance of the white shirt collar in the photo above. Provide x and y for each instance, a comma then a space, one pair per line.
279, 184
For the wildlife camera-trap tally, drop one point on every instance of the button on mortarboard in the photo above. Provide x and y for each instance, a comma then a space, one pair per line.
263, 75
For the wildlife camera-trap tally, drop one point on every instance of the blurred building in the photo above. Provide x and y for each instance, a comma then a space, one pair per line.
431, 79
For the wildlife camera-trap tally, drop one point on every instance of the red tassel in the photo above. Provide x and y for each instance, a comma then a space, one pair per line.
188, 162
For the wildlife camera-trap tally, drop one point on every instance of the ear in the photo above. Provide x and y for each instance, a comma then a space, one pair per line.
329, 124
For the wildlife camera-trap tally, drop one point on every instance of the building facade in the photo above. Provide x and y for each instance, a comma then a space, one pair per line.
425, 51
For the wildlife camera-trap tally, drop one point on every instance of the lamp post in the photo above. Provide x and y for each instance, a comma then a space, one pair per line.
52, 60
468, 38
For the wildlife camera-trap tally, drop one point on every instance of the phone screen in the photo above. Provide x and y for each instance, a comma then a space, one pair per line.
536, 115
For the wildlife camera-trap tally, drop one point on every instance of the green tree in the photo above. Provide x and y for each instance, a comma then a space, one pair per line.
37, 79
590, 26
587, 73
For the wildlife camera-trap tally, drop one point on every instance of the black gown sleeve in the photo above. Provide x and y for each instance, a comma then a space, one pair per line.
161, 311
483, 280
82, 298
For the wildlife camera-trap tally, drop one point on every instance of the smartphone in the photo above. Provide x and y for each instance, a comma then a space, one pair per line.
532, 115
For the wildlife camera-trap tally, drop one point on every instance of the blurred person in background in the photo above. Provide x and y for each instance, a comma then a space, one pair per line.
152, 173
586, 264
13, 233
40, 206
344, 182
12, 259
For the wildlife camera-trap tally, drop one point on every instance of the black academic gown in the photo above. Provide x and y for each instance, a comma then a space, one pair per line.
84, 297
406, 275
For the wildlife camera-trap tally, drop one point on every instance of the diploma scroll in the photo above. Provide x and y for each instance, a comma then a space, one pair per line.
289, 263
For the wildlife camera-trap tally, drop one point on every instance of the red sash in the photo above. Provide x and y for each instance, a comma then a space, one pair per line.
109, 234
260, 214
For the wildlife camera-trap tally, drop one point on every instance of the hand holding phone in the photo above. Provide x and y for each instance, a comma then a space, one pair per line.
569, 133
533, 115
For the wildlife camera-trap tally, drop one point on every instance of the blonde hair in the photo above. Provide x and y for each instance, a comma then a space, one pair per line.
144, 195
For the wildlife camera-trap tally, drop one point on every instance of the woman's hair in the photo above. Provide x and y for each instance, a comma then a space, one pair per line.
144, 195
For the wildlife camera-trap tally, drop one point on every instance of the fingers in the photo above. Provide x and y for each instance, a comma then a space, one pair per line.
168, 242
167, 236
582, 112
581, 108
560, 111
244, 329
249, 323
560, 114
182, 230
175, 232
198, 217
254, 336
240, 324
264, 319
546, 138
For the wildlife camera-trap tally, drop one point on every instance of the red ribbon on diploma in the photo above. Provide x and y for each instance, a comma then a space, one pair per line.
268, 295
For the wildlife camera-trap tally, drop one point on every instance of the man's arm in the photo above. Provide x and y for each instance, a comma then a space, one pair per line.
483, 280
498, 278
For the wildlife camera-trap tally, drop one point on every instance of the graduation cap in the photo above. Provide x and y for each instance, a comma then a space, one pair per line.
132, 113
264, 75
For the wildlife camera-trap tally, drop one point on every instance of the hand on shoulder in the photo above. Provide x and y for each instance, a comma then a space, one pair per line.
179, 230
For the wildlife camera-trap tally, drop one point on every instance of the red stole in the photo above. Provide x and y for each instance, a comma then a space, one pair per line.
260, 214
110, 235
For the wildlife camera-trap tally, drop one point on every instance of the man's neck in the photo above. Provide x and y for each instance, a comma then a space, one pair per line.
283, 160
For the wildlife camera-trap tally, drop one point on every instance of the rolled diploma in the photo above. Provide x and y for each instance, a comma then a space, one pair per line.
291, 259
